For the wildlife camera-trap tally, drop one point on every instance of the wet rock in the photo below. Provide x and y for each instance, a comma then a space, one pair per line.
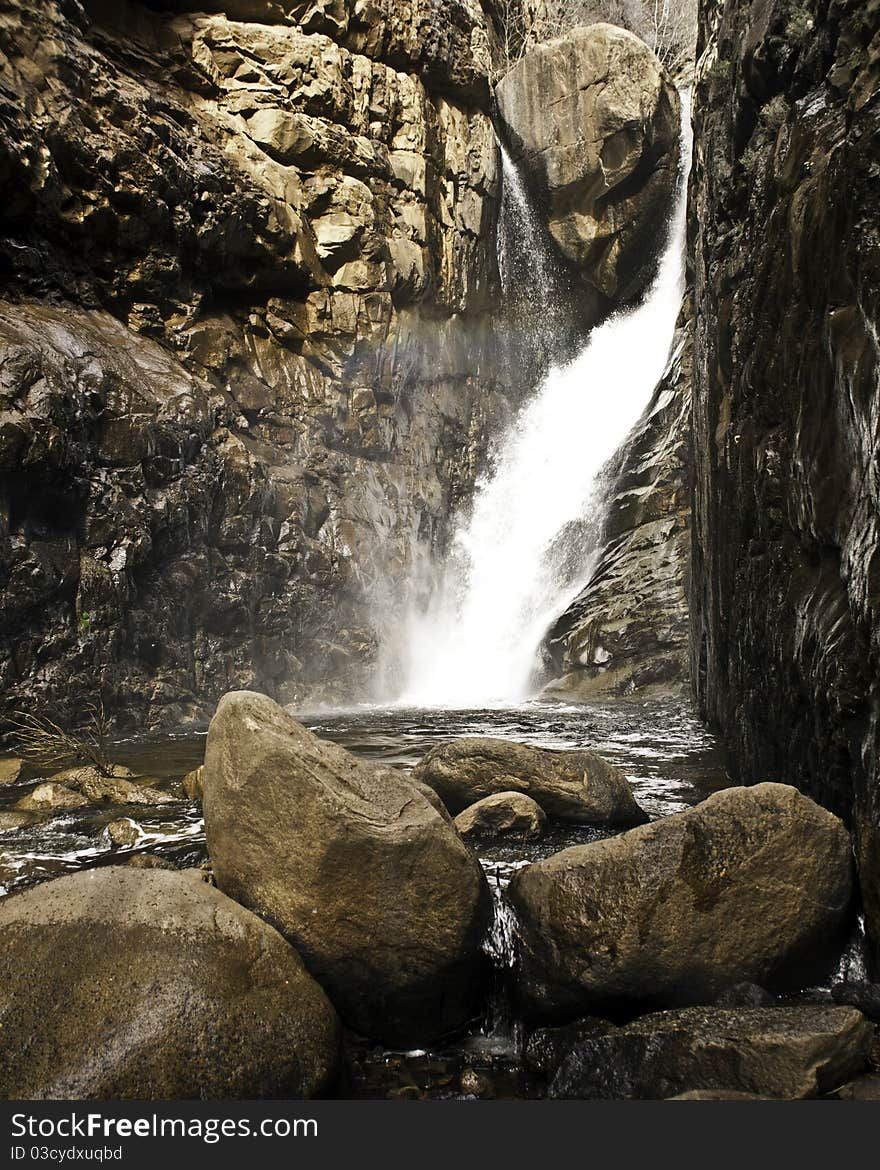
13, 820
865, 1088
594, 120
377, 891
745, 995
124, 832
785, 605
547, 1048
754, 884
509, 814
476, 1084
10, 769
627, 631
718, 1095
50, 796
864, 996
192, 783
149, 861
575, 786
788, 1052
119, 984
97, 788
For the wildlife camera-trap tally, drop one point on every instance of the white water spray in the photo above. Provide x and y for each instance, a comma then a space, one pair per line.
505, 583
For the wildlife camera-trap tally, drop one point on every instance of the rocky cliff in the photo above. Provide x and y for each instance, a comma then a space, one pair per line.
252, 345
786, 550
627, 630
247, 358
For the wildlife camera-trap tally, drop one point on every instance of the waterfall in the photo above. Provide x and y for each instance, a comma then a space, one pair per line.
507, 578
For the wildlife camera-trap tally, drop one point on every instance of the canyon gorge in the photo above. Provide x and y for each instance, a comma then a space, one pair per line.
465, 433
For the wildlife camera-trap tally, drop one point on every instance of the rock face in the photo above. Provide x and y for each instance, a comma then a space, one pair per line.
785, 596
574, 786
119, 983
511, 814
374, 887
627, 631
594, 120
752, 884
247, 356
787, 1052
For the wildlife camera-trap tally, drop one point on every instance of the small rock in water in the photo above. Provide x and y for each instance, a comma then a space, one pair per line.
13, 820
49, 796
10, 769
511, 814
117, 788
124, 832
476, 1084
571, 785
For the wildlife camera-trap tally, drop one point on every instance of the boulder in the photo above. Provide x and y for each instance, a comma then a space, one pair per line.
593, 119
752, 885
377, 891
115, 788
861, 995
10, 769
124, 832
574, 786
192, 783
512, 814
119, 983
547, 1048
50, 796
788, 1052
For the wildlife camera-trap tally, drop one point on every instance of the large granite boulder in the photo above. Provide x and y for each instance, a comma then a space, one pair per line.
788, 1052
753, 884
352, 862
572, 785
593, 118
121, 983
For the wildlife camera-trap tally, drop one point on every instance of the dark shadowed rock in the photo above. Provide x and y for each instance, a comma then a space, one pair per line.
509, 814
785, 592
751, 885
380, 895
594, 119
788, 1052
575, 786
547, 1048
119, 983
864, 996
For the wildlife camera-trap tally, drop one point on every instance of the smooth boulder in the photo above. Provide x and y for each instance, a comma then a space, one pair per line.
593, 118
571, 785
125, 983
372, 884
507, 814
752, 885
788, 1052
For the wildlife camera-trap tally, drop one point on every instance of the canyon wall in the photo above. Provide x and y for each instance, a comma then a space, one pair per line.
785, 204
248, 355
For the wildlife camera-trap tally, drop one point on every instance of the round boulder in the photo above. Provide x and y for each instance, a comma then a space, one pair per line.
509, 814
593, 119
574, 786
752, 885
120, 983
375, 888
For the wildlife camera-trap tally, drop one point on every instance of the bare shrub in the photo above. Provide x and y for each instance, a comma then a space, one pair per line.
44, 743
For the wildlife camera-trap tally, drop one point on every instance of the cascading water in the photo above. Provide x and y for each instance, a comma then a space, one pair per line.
505, 581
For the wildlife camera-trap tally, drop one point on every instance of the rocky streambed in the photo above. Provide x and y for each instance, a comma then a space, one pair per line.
610, 943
